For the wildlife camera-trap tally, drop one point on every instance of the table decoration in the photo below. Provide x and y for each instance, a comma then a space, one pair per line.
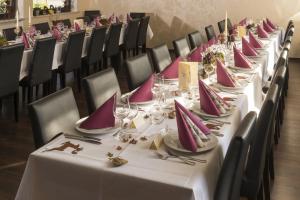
117, 161
66, 145
3, 41
188, 75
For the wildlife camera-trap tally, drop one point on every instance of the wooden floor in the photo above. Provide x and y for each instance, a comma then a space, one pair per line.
16, 144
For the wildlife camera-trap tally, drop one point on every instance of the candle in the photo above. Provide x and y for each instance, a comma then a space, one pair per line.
29, 16
17, 19
226, 31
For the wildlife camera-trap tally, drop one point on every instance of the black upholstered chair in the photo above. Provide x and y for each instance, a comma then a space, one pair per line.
43, 27
138, 70
254, 184
142, 34
10, 63
221, 25
86, 19
95, 49
230, 177
9, 33
99, 87
72, 58
91, 14
40, 71
112, 49
52, 115
194, 39
181, 47
161, 57
137, 15
210, 32
288, 29
130, 37
66, 22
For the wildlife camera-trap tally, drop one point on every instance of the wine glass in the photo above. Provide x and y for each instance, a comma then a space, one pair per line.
133, 112
121, 112
157, 114
156, 88
209, 69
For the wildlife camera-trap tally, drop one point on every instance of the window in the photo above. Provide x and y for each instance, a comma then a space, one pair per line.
45, 7
7, 9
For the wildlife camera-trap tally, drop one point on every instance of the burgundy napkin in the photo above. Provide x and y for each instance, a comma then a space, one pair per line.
97, 21
103, 117
143, 93
271, 24
261, 32
243, 22
56, 33
267, 27
32, 31
254, 41
25, 40
111, 18
248, 49
240, 60
185, 134
77, 27
196, 56
212, 41
223, 77
171, 72
206, 102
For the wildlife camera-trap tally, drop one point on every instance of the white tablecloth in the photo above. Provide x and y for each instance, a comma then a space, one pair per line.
88, 175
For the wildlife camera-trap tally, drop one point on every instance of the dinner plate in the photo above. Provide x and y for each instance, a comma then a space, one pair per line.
171, 141
196, 109
243, 84
124, 100
242, 69
94, 131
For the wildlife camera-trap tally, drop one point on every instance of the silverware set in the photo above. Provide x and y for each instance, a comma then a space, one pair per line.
84, 138
185, 159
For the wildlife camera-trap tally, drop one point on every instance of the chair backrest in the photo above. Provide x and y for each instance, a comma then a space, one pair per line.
10, 63
161, 57
66, 22
181, 47
72, 59
195, 39
40, 68
137, 15
138, 70
221, 26
95, 49
92, 14
131, 34
282, 60
230, 177
9, 33
99, 87
43, 27
86, 19
289, 26
210, 32
53, 114
113, 38
256, 161
142, 33
280, 77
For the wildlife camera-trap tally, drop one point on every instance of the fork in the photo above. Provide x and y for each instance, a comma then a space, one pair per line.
186, 157
166, 156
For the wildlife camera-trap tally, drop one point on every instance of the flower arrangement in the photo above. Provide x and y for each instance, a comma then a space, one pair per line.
3, 41
210, 57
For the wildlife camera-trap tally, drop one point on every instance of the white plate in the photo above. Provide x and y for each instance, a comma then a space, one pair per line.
222, 87
124, 100
196, 109
94, 131
242, 69
171, 140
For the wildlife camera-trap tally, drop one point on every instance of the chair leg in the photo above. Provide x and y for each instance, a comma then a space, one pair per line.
104, 62
16, 104
45, 89
29, 95
37, 91
271, 165
266, 181
62, 80
23, 94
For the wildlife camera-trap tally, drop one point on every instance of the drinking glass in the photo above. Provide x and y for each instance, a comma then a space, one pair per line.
121, 112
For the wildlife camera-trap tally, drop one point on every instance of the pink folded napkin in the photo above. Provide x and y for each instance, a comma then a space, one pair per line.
32, 31
270, 23
240, 60
256, 43
212, 41
243, 22
25, 40
77, 27
261, 32
186, 135
210, 102
196, 56
103, 117
56, 33
248, 49
267, 27
143, 93
171, 72
111, 19
97, 21
223, 77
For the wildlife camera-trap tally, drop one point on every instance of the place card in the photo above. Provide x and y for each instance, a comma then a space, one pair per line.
157, 142
241, 31
138, 122
187, 75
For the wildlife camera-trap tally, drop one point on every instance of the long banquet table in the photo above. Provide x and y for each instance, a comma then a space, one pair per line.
89, 175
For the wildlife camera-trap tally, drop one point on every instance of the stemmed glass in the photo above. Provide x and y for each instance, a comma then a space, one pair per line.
133, 112
121, 112
209, 69
157, 87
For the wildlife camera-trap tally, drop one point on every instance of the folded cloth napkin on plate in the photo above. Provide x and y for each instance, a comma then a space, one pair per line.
224, 77
212, 41
243, 22
97, 21
143, 93
261, 32
267, 27
25, 40
248, 49
240, 60
195, 56
103, 117
56, 33
111, 19
270, 23
255, 42
191, 131
77, 27
32, 31
171, 72
210, 102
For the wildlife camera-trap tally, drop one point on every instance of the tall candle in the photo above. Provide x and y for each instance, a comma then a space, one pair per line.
226, 31
29, 16
17, 19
